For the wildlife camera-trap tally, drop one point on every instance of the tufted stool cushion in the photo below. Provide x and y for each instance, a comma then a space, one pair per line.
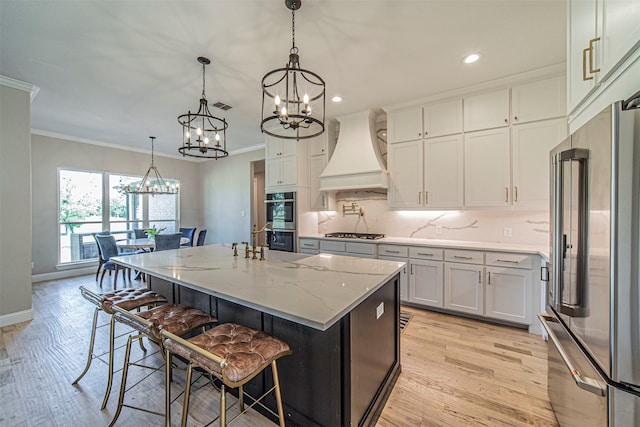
128, 299
175, 318
244, 350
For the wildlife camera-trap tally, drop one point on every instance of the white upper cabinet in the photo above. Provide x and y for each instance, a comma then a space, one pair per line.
404, 125
442, 118
539, 100
443, 172
620, 31
487, 168
276, 147
486, 111
319, 200
405, 173
602, 34
531, 143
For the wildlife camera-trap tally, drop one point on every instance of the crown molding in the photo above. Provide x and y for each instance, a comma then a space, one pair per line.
17, 84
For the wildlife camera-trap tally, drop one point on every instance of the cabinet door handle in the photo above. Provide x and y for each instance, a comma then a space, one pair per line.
424, 254
591, 69
479, 276
584, 65
515, 194
411, 269
419, 134
506, 194
488, 277
462, 257
506, 120
419, 197
426, 197
308, 245
391, 252
515, 118
508, 260
323, 201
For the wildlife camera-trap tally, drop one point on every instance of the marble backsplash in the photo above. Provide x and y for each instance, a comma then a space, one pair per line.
527, 227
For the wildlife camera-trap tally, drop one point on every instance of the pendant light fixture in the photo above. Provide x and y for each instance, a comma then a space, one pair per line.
293, 99
152, 183
203, 134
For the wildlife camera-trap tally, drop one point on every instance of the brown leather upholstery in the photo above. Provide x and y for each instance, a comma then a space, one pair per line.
175, 318
128, 299
245, 350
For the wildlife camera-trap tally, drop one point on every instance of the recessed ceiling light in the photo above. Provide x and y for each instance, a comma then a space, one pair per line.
471, 58
337, 99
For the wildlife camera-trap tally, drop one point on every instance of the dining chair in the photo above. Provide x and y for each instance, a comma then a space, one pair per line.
108, 248
139, 233
167, 241
100, 259
201, 235
188, 233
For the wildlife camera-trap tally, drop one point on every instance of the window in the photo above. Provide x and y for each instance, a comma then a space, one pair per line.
91, 202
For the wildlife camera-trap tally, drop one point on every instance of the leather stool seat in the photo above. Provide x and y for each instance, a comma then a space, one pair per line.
244, 350
177, 319
233, 353
127, 299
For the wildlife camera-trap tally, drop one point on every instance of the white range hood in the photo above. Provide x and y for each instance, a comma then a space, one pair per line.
356, 162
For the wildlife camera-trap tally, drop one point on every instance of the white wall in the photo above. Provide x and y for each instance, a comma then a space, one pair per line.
227, 195
15, 206
48, 154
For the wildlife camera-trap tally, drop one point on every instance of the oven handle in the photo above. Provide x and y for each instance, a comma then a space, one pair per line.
280, 201
589, 384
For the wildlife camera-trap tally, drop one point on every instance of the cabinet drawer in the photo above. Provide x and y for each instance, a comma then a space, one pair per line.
502, 259
393, 250
426, 253
333, 246
469, 257
309, 244
361, 248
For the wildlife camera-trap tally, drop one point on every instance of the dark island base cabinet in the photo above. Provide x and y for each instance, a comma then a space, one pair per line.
338, 377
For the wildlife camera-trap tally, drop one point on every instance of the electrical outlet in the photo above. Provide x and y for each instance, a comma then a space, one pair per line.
507, 232
242, 213
438, 229
380, 310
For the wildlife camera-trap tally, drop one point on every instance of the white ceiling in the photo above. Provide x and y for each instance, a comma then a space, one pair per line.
118, 71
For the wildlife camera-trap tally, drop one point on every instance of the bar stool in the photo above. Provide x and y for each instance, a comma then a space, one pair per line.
233, 353
127, 299
178, 319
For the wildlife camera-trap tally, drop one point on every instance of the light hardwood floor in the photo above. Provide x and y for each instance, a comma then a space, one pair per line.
455, 372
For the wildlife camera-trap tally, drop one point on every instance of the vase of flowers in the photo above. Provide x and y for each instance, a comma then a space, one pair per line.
152, 232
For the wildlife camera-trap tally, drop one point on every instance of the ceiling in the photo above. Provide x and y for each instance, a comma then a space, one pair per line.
115, 72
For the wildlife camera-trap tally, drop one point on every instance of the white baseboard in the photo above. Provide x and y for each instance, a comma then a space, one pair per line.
63, 274
17, 317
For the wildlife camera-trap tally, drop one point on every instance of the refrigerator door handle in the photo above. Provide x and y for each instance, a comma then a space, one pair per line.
589, 384
579, 307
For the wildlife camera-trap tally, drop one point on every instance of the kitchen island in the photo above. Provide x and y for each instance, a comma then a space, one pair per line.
339, 315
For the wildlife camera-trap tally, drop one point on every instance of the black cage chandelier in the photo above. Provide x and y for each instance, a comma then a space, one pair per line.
293, 99
203, 134
152, 182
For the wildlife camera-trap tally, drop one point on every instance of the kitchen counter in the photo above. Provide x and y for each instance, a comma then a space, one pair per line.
447, 244
340, 316
314, 291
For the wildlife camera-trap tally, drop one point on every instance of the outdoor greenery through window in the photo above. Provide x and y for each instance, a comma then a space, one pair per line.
91, 202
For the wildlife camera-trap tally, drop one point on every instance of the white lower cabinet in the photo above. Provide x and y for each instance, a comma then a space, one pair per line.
426, 282
309, 246
508, 294
399, 254
464, 290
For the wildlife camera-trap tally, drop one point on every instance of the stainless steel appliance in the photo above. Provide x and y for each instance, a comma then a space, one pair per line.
281, 213
593, 319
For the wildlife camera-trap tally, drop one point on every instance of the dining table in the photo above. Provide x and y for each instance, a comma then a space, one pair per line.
143, 243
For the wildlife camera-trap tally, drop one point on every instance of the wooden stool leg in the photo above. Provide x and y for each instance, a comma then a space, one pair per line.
187, 391
241, 398
91, 342
112, 333
276, 382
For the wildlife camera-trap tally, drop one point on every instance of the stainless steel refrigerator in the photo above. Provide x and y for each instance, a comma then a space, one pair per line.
593, 312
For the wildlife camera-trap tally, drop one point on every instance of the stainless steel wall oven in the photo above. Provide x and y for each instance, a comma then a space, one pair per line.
281, 213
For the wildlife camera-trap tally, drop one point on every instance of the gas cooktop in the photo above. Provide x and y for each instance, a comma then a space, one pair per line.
347, 235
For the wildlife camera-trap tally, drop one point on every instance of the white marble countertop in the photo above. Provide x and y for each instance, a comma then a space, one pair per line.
315, 291
447, 244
